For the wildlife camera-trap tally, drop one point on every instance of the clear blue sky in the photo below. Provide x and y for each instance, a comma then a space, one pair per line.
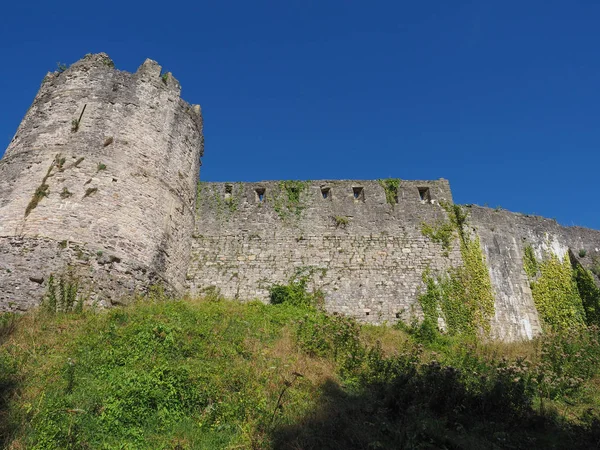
500, 97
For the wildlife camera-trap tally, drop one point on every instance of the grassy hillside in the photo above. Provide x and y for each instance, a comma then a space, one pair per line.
210, 373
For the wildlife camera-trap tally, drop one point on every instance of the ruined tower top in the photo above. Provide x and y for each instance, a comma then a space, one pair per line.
106, 161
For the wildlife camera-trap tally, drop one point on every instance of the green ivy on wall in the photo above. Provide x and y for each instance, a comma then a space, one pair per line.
463, 296
529, 262
287, 203
554, 291
441, 233
223, 205
390, 186
589, 293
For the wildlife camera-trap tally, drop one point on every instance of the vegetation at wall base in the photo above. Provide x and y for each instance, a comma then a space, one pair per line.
213, 373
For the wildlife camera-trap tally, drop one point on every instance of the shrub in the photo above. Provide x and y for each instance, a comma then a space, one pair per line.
334, 337
568, 359
295, 291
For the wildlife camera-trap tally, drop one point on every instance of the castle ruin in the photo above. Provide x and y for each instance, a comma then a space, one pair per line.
101, 178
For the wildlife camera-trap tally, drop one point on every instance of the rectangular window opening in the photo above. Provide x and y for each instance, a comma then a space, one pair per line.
228, 191
359, 194
424, 194
326, 193
260, 195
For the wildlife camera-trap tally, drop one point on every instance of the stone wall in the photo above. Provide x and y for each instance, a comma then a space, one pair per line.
104, 159
101, 180
504, 236
247, 238
370, 267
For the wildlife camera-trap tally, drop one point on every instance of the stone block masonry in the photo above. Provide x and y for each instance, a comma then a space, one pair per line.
366, 254
101, 180
504, 236
107, 161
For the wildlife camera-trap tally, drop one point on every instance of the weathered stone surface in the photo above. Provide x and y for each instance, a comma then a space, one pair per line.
100, 179
370, 268
504, 236
121, 181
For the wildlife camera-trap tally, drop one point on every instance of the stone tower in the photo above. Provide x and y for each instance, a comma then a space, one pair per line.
101, 177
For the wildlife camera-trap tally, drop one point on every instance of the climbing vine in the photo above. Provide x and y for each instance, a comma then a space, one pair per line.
554, 291
224, 204
463, 296
529, 262
287, 203
441, 233
589, 293
390, 186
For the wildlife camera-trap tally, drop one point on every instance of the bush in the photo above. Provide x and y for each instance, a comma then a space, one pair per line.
568, 359
295, 293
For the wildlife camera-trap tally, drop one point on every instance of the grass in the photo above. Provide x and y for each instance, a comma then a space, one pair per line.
212, 373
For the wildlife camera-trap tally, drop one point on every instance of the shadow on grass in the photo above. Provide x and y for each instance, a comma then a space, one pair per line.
408, 414
8, 381
8, 426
